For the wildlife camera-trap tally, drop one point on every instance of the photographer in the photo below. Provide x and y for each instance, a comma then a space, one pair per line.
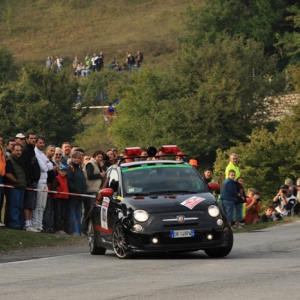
284, 201
252, 207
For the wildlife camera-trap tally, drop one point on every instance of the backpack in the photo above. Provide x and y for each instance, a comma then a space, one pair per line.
111, 109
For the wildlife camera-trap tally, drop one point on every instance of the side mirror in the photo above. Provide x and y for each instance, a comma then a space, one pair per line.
108, 192
213, 186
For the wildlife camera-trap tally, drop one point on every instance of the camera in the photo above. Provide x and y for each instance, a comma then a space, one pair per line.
257, 199
284, 192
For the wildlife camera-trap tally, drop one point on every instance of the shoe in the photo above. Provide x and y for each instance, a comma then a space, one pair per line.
2, 225
30, 228
242, 224
240, 227
62, 232
233, 228
40, 228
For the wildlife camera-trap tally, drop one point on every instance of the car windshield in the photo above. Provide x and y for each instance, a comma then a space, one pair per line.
161, 178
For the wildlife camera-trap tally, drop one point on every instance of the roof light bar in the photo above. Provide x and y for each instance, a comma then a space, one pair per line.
169, 149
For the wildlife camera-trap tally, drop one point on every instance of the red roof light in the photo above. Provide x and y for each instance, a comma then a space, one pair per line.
133, 151
169, 149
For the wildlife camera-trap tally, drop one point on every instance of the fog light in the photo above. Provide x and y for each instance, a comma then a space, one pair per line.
155, 240
137, 227
220, 222
209, 237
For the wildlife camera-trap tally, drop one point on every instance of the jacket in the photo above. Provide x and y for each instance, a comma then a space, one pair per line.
18, 173
44, 163
60, 184
93, 184
2, 162
76, 181
31, 163
229, 190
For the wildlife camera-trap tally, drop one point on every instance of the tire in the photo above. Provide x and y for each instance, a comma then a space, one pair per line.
119, 242
94, 249
224, 251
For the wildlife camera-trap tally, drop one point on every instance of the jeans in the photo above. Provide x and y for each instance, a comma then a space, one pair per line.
1, 197
16, 216
87, 204
228, 207
130, 66
48, 217
73, 215
238, 211
59, 213
38, 213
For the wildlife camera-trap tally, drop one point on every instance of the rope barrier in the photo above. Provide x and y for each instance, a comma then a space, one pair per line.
49, 191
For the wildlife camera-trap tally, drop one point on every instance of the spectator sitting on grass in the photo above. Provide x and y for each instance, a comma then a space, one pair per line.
270, 215
112, 64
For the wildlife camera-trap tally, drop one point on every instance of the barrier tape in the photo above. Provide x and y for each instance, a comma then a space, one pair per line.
49, 191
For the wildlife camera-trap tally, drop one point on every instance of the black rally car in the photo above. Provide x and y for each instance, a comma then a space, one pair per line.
156, 206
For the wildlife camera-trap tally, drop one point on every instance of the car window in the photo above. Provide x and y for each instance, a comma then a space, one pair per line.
147, 179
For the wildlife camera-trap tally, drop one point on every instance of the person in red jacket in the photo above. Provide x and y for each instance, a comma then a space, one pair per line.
60, 184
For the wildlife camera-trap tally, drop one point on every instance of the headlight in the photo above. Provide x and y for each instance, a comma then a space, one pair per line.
140, 215
213, 211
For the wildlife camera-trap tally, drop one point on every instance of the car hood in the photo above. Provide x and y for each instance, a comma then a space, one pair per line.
171, 203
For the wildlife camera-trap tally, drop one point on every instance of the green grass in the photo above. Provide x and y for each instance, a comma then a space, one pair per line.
77, 27
20, 239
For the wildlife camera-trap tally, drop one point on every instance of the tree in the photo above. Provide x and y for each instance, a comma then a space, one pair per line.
262, 20
41, 101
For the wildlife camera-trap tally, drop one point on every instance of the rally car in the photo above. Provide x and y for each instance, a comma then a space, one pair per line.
157, 205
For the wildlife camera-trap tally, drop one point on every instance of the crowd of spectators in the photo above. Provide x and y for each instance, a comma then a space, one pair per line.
51, 189
96, 63
242, 209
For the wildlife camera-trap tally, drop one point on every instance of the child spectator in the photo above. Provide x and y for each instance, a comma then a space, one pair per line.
60, 184
252, 207
270, 215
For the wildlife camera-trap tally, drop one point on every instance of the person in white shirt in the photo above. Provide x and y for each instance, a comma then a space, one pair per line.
45, 166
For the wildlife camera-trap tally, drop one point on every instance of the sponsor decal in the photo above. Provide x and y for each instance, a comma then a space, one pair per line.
192, 202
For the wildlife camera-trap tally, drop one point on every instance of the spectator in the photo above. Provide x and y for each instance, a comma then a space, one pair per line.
33, 173
252, 207
110, 111
285, 201
20, 139
16, 176
130, 61
2, 173
208, 177
100, 61
233, 160
270, 215
60, 184
112, 64
138, 60
86, 159
76, 63
117, 67
180, 156
94, 60
59, 62
9, 147
94, 174
66, 149
45, 166
78, 70
111, 158
58, 157
229, 196
293, 191
143, 155
48, 217
76, 184
193, 162
240, 201
49, 62
88, 64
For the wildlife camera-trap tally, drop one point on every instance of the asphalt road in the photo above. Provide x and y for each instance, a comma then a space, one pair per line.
263, 264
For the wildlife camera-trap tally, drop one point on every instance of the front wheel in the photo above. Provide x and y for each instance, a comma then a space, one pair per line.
119, 242
224, 251
94, 249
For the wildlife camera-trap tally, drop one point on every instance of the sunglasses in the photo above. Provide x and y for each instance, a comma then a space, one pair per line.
58, 154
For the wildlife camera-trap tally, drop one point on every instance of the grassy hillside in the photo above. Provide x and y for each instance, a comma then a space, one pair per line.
77, 27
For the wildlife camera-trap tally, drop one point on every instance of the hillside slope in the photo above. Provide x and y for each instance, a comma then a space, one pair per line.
77, 27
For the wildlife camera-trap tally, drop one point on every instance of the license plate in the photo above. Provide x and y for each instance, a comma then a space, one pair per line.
182, 233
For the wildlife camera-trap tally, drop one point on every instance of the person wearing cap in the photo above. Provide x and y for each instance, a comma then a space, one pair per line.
20, 139
285, 201
180, 156
233, 160
60, 185
193, 162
